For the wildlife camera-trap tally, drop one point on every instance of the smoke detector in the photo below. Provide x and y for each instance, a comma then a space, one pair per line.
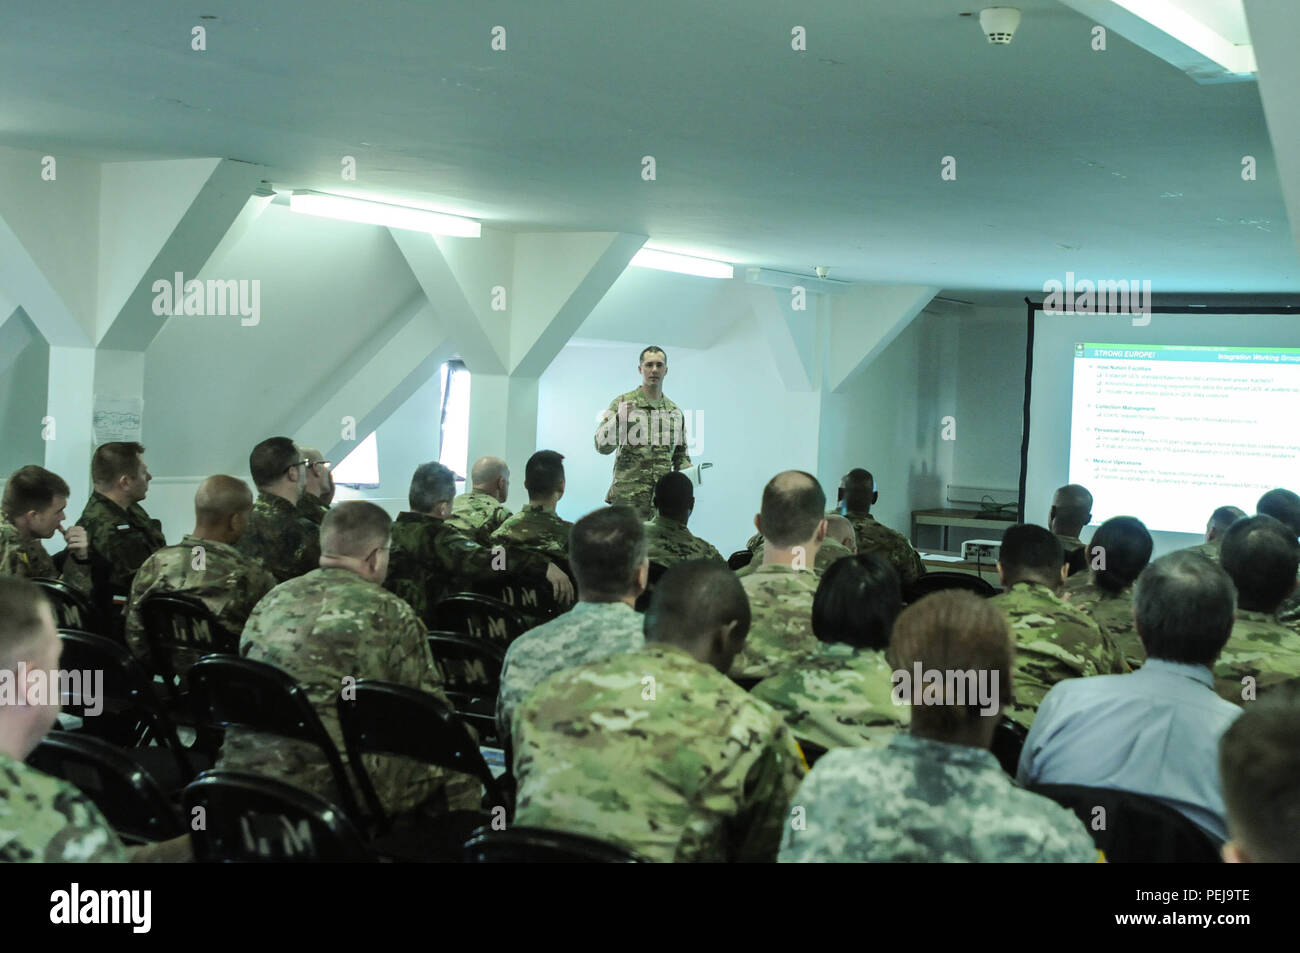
999, 24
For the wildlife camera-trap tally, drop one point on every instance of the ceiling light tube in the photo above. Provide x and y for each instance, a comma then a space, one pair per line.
682, 264
379, 213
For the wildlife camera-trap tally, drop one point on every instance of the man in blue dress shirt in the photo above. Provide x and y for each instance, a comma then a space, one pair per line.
1155, 731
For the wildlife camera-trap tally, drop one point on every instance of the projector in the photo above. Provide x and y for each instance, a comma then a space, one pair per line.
981, 550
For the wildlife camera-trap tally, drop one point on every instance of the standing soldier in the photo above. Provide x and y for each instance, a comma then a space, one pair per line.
649, 433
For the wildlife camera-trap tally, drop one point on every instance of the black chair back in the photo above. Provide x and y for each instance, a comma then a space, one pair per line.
132, 801
1008, 740
232, 692
73, 609
385, 718
939, 581
471, 679
1133, 828
480, 617
740, 559
180, 630
251, 818
537, 845
532, 598
656, 573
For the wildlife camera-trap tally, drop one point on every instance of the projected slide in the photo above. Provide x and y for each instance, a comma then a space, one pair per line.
1174, 431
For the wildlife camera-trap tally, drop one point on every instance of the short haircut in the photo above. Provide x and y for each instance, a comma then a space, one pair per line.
792, 508
432, 484
1123, 545
113, 460
487, 470
952, 631
221, 496
354, 528
605, 548
674, 492
857, 601
1075, 504
1259, 765
1260, 555
270, 459
1030, 550
1224, 517
859, 479
653, 347
543, 473
20, 619
1184, 606
1281, 505
841, 530
695, 597
31, 488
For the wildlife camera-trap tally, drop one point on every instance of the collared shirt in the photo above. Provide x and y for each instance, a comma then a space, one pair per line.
1155, 732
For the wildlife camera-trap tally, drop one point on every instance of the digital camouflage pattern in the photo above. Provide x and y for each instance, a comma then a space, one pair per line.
312, 508
230, 584
838, 697
925, 801
535, 529
1113, 613
431, 558
588, 632
28, 558
659, 753
323, 627
46, 820
670, 543
1261, 648
827, 553
780, 627
286, 543
1054, 641
477, 515
890, 545
653, 444
120, 540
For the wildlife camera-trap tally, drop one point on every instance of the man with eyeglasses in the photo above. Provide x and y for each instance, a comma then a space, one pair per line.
278, 535
319, 491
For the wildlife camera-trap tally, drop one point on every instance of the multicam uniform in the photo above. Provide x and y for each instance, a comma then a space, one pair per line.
653, 444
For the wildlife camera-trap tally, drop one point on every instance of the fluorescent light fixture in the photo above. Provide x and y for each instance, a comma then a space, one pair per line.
682, 264
784, 279
379, 213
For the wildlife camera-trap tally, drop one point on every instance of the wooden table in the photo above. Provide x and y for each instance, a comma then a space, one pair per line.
963, 519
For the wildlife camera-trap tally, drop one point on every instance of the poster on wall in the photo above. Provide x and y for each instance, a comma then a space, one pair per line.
117, 418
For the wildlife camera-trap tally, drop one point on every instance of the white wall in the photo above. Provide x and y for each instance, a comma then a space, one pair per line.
24, 373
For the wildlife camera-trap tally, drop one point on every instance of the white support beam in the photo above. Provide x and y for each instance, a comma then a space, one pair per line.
791, 335
864, 322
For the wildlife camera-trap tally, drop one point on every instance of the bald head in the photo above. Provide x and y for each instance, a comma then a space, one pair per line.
792, 511
491, 475
858, 490
1071, 510
222, 505
841, 530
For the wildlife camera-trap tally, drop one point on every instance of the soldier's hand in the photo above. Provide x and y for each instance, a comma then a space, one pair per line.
77, 540
561, 587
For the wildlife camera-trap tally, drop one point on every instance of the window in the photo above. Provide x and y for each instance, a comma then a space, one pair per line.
453, 436
360, 468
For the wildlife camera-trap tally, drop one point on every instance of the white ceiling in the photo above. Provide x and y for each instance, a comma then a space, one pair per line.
1109, 164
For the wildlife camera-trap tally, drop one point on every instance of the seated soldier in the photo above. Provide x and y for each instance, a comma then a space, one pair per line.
609, 560
335, 623
1259, 766
1284, 506
669, 541
536, 527
842, 695
656, 750
935, 794
206, 565
1071, 512
1119, 551
285, 542
432, 558
857, 495
32, 510
318, 491
1220, 520
479, 511
1054, 640
1260, 555
839, 542
782, 587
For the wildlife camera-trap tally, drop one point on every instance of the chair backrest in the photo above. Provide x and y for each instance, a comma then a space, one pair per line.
251, 818
740, 559
540, 845
532, 598
656, 573
180, 628
386, 718
939, 581
1133, 828
232, 692
1008, 740
73, 609
480, 617
127, 795
468, 667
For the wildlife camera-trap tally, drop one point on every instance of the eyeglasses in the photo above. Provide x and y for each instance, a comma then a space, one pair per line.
297, 463
323, 464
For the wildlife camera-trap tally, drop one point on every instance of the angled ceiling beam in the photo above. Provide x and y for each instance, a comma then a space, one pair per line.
864, 322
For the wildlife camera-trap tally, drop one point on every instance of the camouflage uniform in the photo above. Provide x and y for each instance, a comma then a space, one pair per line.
1054, 641
477, 515
321, 628
840, 697
120, 541
28, 558
47, 820
659, 753
1210, 550
1113, 613
589, 632
755, 545
671, 542
889, 544
535, 529
312, 508
827, 553
651, 447
1259, 647
281, 538
430, 558
780, 628
1075, 554
926, 801
1288, 613
230, 584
